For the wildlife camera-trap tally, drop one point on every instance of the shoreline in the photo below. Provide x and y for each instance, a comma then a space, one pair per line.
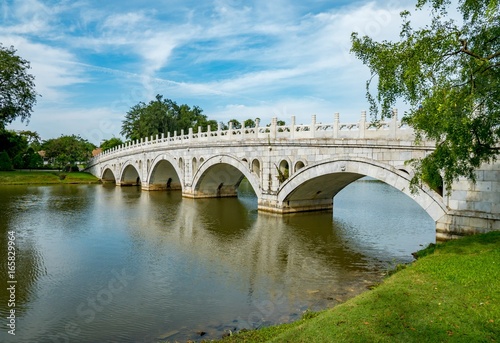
45, 177
450, 293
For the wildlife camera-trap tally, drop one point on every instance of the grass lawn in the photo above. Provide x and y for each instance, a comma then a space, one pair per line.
45, 178
450, 294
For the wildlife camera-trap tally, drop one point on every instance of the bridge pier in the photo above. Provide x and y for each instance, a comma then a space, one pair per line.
271, 204
473, 207
464, 223
221, 191
166, 186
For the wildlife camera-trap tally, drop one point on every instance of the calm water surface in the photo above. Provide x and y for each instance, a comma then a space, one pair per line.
111, 264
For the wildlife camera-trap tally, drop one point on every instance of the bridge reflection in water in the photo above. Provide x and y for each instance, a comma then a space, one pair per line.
102, 263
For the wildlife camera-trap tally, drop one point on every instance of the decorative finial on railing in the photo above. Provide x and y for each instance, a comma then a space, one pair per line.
395, 114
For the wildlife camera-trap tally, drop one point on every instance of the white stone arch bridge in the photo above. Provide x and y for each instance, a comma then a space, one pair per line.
296, 168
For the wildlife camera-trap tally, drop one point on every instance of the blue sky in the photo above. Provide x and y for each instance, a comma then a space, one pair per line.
93, 60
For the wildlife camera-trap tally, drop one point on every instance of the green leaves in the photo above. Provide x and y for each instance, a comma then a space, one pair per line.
67, 150
162, 116
17, 87
449, 75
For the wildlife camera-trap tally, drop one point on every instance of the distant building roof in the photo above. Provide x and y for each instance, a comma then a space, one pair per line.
96, 152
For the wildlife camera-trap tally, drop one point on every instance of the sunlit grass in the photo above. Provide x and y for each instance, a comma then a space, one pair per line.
44, 178
450, 294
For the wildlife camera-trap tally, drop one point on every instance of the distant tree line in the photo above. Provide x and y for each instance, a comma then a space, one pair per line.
25, 150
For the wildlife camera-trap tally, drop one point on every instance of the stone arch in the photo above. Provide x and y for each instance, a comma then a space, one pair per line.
164, 174
314, 186
130, 176
108, 176
256, 167
283, 170
201, 160
298, 165
220, 176
194, 164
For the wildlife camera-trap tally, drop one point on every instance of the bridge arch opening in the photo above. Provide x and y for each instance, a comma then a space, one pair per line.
108, 176
283, 171
314, 187
130, 176
194, 164
164, 176
256, 167
220, 176
298, 166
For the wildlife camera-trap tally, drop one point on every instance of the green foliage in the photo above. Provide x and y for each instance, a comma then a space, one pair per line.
249, 123
235, 124
17, 87
28, 160
5, 163
67, 150
111, 143
12, 143
449, 75
163, 116
283, 175
20, 146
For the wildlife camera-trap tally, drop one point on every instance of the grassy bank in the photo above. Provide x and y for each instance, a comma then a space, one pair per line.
45, 178
450, 294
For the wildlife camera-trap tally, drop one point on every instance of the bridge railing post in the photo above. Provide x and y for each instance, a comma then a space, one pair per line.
292, 128
362, 125
182, 135
274, 123
336, 120
313, 126
230, 130
190, 133
257, 124
394, 123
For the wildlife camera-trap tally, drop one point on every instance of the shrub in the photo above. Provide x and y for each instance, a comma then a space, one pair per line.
5, 162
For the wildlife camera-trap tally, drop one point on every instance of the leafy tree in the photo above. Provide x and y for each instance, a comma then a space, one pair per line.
236, 124
249, 123
449, 75
163, 116
17, 87
223, 126
32, 137
111, 143
5, 163
12, 143
28, 160
68, 150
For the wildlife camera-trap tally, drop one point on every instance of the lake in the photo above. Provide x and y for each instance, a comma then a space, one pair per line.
116, 264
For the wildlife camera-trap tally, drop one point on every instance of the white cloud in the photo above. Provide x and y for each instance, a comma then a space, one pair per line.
283, 59
48, 66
